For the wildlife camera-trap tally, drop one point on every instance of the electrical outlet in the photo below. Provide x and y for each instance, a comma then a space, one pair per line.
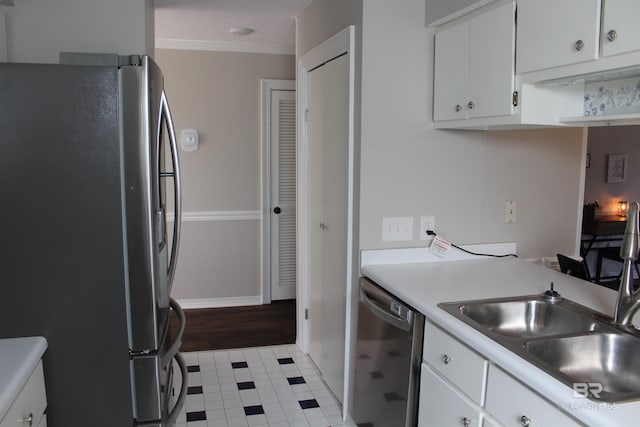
427, 223
397, 229
510, 212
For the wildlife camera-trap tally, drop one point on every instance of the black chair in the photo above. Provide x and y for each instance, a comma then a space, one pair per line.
613, 254
573, 267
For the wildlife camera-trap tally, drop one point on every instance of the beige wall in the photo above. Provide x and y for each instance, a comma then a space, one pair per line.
37, 31
324, 18
218, 93
462, 178
612, 140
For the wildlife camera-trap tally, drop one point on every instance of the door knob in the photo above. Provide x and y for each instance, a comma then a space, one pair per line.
277, 210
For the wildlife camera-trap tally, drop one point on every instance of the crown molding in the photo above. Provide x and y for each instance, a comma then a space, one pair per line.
208, 45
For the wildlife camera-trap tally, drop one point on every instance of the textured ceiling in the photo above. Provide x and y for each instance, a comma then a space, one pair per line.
207, 22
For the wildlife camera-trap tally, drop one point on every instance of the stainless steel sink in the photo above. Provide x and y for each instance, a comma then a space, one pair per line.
576, 345
607, 363
526, 318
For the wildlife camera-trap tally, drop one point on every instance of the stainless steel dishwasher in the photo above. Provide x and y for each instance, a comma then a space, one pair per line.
388, 358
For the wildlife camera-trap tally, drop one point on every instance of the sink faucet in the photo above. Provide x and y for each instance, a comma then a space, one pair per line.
628, 300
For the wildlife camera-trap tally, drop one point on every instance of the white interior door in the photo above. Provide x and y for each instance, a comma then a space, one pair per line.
328, 140
283, 194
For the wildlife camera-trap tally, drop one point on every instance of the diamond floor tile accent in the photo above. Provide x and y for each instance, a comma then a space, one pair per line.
261, 386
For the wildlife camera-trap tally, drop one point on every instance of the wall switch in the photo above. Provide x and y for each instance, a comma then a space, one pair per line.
510, 212
396, 229
427, 223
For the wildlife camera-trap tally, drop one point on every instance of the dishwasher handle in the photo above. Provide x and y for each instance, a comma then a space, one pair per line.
385, 312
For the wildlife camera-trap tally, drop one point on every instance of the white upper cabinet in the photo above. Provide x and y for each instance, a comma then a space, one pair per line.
492, 45
620, 29
553, 33
451, 73
474, 66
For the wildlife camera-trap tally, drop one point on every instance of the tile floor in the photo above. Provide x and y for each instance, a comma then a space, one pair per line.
258, 386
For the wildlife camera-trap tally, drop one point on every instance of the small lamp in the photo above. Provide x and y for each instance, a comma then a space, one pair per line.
624, 206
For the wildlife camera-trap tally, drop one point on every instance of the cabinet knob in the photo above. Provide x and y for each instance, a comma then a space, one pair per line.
28, 420
446, 359
458, 108
525, 421
277, 210
579, 45
470, 105
466, 422
612, 35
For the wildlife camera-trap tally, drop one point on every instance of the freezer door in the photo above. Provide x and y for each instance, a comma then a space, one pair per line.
147, 134
152, 376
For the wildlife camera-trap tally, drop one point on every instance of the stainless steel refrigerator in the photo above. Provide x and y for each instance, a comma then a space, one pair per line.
88, 169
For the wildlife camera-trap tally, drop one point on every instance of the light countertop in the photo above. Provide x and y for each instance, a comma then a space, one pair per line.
425, 284
18, 359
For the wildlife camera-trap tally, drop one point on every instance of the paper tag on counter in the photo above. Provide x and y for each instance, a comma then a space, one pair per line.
439, 246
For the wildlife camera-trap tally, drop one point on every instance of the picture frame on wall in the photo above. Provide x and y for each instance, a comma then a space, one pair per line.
617, 168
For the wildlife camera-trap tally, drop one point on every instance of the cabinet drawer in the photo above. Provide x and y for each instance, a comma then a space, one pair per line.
508, 400
440, 405
456, 362
31, 401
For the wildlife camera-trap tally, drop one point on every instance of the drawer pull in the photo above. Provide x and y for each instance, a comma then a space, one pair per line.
466, 422
446, 359
525, 421
28, 420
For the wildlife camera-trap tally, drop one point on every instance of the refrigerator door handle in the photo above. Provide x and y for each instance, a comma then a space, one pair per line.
175, 346
177, 200
173, 415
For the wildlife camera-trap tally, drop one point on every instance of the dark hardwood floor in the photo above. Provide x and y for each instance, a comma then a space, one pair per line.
237, 327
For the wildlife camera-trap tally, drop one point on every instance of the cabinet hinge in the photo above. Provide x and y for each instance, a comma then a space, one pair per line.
306, 314
306, 116
514, 98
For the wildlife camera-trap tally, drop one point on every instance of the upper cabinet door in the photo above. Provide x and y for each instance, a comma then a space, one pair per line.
620, 29
474, 66
450, 73
491, 62
553, 33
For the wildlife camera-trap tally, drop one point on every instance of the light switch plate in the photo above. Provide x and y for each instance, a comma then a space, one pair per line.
510, 212
395, 229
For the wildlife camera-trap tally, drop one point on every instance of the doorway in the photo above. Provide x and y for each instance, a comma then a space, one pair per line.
326, 205
327, 137
279, 190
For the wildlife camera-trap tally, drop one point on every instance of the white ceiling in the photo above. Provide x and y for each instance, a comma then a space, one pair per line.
205, 24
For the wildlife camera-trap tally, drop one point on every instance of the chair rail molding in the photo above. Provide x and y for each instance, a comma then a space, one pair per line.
207, 216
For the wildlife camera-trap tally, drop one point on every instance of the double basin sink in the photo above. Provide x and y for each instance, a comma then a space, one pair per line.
578, 346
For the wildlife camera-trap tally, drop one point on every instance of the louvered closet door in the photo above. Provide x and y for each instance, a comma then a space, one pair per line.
283, 195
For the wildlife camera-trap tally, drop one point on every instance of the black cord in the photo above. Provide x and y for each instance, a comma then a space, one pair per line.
478, 254
433, 233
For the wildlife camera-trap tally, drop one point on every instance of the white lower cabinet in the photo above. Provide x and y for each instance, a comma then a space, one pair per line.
514, 404
441, 405
455, 361
30, 404
460, 388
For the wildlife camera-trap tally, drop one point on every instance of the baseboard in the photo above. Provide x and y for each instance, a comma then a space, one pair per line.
219, 302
